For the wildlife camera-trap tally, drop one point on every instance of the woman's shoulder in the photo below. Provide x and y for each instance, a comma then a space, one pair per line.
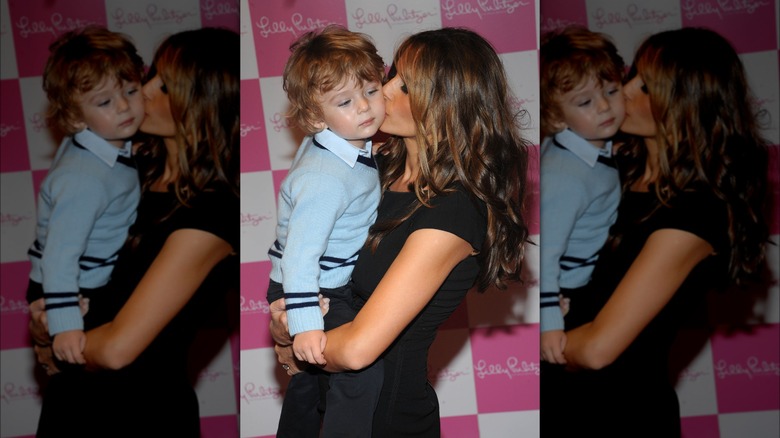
699, 212
455, 211
216, 211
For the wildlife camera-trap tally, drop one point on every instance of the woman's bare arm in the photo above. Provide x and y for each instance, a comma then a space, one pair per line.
665, 261
179, 269
425, 261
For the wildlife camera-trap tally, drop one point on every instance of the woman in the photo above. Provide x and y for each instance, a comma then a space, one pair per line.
453, 176
690, 220
180, 259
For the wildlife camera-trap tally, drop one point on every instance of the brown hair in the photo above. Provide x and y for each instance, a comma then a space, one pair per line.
81, 60
469, 134
320, 62
568, 57
707, 134
200, 71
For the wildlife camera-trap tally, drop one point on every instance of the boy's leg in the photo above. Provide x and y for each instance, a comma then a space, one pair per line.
351, 397
301, 416
351, 401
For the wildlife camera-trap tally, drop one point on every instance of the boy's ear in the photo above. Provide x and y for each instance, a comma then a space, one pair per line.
319, 125
558, 125
78, 125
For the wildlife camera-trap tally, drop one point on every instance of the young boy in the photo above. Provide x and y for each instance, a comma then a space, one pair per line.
88, 199
581, 110
326, 205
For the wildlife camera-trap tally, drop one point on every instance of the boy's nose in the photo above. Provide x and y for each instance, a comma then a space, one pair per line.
123, 104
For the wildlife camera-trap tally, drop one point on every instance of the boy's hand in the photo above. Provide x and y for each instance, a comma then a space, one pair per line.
68, 346
565, 304
308, 346
553, 343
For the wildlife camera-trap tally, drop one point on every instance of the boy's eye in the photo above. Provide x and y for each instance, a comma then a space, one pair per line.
372, 91
613, 91
103, 102
344, 103
585, 103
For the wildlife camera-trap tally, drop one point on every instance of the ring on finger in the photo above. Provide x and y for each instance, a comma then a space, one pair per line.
285, 367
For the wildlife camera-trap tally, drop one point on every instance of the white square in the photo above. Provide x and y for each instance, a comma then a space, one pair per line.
450, 368
17, 206
258, 215
509, 424
20, 397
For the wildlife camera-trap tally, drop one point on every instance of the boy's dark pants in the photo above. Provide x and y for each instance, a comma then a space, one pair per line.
354, 395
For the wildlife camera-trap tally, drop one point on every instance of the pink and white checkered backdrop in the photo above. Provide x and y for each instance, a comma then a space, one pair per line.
729, 381
27, 27
485, 362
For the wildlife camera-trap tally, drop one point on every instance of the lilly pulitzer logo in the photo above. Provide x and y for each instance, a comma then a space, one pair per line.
752, 367
511, 368
721, 8
252, 392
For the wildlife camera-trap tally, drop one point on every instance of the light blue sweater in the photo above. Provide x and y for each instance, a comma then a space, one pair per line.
86, 205
579, 200
326, 205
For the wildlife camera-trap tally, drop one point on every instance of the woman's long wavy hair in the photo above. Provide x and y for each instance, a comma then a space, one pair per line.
707, 132
200, 70
468, 132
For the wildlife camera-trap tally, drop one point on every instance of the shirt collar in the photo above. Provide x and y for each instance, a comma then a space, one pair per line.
102, 149
342, 148
581, 147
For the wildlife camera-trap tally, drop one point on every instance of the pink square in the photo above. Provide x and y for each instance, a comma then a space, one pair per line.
255, 315
254, 142
506, 368
220, 13
219, 426
509, 26
532, 215
14, 278
278, 176
465, 426
557, 14
705, 426
37, 24
749, 26
459, 318
37, 179
774, 189
13, 155
276, 25
747, 369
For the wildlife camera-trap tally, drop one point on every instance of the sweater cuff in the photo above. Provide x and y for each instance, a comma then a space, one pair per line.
64, 319
304, 319
550, 318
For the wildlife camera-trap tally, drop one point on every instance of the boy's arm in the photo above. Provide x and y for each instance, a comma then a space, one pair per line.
318, 201
561, 203
76, 203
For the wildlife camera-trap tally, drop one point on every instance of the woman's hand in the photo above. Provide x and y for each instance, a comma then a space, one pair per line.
278, 324
45, 357
39, 326
286, 357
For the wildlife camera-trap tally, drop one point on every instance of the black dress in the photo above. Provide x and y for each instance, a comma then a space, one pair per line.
153, 396
635, 395
408, 406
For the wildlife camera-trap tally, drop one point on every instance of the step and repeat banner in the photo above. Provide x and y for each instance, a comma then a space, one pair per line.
485, 361
728, 380
27, 27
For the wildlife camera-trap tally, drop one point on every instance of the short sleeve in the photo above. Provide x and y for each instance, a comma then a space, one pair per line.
216, 212
454, 213
701, 214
